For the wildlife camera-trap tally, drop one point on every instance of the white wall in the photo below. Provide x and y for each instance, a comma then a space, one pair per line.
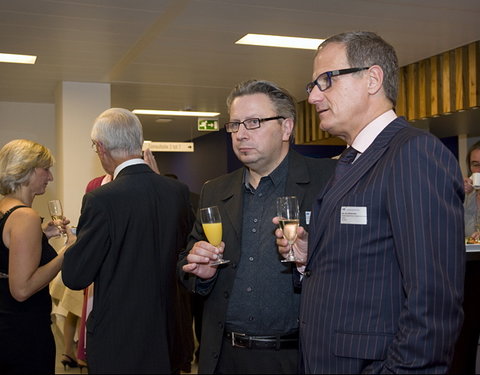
34, 121
77, 106
37, 122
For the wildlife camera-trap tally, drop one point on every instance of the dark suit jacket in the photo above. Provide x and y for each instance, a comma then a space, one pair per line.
306, 177
129, 232
386, 296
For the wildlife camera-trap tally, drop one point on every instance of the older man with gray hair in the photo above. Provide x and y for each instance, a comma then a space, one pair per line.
128, 234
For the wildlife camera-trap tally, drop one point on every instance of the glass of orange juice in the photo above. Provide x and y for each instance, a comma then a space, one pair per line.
212, 226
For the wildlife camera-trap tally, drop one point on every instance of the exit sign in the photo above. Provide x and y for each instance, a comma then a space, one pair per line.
207, 124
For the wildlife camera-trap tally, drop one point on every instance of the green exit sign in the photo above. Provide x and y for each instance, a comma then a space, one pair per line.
207, 124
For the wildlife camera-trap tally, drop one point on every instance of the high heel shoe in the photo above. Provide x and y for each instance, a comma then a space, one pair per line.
81, 365
68, 361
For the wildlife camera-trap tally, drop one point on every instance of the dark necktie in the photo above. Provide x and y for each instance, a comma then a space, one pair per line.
344, 162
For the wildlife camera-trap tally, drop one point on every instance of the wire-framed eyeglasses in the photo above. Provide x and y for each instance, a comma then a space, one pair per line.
94, 146
249, 123
324, 80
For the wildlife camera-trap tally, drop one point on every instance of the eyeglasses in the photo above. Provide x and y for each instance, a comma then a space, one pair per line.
94, 146
324, 80
249, 123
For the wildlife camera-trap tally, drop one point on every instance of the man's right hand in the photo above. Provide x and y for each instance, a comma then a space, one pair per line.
300, 247
200, 257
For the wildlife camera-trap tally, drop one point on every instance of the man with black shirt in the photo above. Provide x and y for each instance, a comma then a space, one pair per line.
250, 319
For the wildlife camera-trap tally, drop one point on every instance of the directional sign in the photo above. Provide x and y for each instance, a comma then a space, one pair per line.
169, 146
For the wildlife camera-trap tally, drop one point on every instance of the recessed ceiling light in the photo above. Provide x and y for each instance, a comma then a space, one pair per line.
17, 59
280, 41
174, 113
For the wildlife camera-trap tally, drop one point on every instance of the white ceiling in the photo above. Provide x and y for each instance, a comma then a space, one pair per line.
180, 54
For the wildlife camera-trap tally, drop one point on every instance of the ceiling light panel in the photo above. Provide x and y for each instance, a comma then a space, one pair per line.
280, 41
17, 59
174, 113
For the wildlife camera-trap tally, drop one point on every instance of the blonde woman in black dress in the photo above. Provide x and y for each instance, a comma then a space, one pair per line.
27, 262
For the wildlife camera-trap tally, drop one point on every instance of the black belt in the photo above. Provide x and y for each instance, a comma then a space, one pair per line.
242, 340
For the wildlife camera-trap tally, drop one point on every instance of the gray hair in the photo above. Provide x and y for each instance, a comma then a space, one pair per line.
120, 131
283, 102
18, 160
364, 49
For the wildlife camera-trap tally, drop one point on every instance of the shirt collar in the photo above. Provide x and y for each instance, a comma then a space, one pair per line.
368, 134
127, 163
277, 176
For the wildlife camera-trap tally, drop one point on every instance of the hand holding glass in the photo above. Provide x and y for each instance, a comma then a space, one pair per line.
212, 226
56, 212
288, 214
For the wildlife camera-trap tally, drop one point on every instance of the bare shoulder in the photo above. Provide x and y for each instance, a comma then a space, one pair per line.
24, 216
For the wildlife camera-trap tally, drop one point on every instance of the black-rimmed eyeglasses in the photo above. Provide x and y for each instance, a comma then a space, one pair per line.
249, 123
324, 80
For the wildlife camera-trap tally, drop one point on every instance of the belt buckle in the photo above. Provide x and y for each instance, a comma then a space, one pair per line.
234, 343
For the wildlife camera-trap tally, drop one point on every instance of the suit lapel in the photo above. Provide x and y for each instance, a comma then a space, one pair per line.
232, 202
297, 174
326, 202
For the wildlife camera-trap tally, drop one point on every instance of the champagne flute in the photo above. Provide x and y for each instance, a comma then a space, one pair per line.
288, 213
212, 226
56, 212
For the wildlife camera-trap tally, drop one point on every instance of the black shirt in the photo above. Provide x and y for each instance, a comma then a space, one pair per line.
263, 300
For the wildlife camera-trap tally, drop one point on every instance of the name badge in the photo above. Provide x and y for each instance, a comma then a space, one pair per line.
353, 215
307, 217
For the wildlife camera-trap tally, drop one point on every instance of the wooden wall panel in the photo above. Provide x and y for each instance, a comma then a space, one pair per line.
441, 84
434, 94
473, 75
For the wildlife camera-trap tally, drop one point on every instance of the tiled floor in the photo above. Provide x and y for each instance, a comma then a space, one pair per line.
59, 367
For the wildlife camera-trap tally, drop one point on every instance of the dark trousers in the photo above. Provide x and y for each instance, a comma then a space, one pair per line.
465, 355
234, 360
197, 311
27, 347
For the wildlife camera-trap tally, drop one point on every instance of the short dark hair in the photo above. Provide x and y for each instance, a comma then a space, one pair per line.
283, 102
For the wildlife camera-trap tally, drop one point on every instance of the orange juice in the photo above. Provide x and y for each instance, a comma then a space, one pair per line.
213, 231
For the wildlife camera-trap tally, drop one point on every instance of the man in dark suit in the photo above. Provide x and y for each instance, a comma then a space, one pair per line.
129, 232
250, 318
382, 287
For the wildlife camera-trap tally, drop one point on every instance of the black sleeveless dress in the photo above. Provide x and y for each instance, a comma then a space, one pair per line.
27, 345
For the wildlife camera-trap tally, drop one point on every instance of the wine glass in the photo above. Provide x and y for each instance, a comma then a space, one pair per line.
288, 214
56, 212
212, 226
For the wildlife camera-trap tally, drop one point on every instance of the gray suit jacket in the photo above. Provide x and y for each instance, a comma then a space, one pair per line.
306, 177
129, 233
384, 293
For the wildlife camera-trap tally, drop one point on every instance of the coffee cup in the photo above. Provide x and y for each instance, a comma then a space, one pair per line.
475, 180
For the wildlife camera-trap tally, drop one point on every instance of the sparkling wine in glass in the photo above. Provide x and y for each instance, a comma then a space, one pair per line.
288, 213
212, 226
56, 212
